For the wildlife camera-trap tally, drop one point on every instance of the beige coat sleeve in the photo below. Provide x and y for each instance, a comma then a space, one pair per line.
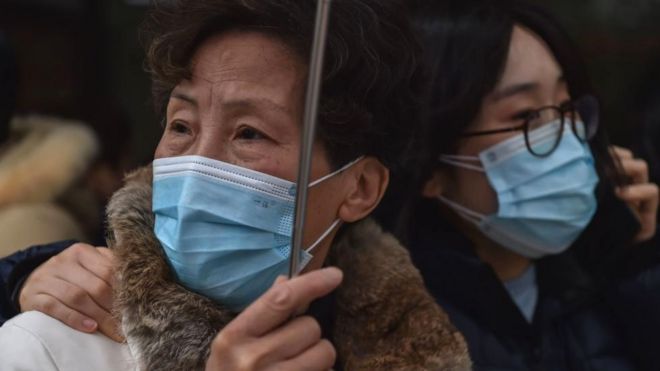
35, 341
26, 225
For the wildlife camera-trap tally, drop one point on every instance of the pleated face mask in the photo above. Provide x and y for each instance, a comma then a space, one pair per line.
545, 203
226, 230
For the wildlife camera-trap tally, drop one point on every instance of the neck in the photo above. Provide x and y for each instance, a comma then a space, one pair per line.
506, 263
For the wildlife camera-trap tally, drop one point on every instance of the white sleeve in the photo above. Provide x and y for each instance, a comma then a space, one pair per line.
21, 350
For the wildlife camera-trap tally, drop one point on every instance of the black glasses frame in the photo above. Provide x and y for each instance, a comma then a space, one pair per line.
586, 106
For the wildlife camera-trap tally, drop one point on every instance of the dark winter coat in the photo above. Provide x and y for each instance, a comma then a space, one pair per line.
598, 307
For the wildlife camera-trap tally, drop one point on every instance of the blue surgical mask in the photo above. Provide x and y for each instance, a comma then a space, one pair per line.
545, 203
225, 230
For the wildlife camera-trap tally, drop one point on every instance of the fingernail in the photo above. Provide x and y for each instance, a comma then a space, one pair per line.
334, 273
89, 324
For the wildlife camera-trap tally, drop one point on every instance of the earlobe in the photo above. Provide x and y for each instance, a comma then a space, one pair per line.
370, 179
434, 186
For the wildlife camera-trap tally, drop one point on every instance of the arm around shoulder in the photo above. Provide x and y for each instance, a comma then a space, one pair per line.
14, 270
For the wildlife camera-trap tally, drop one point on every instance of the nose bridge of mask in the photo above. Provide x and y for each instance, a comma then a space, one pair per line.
271, 198
503, 174
226, 172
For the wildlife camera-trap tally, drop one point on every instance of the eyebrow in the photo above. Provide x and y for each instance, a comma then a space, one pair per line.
255, 103
514, 89
238, 104
184, 97
511, 90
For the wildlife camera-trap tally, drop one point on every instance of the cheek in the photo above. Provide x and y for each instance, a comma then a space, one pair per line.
323, 205
173, 144
161, 149
472, 190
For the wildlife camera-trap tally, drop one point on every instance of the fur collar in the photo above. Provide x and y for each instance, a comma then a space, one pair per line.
384, 318
47, 156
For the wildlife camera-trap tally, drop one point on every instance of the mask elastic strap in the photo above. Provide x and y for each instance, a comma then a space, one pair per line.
460, 161
323, 236
328, 176
468, 214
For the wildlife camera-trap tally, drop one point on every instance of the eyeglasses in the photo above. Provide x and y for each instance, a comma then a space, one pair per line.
544, 127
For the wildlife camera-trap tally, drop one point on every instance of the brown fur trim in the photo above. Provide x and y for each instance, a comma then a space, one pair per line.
385, 319
166, 326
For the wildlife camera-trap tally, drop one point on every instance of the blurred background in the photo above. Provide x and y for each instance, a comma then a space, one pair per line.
83, 59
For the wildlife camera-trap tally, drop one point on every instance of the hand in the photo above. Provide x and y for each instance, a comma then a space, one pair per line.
640, 194
75, 287
266, 337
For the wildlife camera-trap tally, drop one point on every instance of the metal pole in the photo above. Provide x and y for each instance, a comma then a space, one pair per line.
309, 128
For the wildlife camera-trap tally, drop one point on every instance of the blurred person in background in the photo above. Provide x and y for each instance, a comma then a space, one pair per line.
43, 161
529, 228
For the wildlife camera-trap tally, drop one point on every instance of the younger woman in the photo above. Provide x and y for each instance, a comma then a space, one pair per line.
527, 232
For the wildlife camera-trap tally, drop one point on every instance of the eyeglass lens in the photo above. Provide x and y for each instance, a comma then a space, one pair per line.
546, 127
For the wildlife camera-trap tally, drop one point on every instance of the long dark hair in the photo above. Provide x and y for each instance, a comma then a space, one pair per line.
466, 45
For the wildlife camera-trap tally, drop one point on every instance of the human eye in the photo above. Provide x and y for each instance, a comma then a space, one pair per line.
179, 127
249, 133
524, 115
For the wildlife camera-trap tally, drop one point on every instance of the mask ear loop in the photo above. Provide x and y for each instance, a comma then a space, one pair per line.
328, 176
460, 161
323, 236
307, 257
468, 214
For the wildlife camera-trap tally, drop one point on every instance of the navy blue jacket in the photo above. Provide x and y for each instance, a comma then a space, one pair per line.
598, 307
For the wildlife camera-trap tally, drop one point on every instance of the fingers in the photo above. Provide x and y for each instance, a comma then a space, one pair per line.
635, 169
97, 261
49, 305
643, 199
264, 335
621, 153
290, 340
63, 298
321, 356
87, 283
641, 196
74, 287
282, 300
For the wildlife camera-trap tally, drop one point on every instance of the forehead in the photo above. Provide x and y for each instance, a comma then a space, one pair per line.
245, 56
529, 60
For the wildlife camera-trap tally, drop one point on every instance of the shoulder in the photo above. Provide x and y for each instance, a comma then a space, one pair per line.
34, 340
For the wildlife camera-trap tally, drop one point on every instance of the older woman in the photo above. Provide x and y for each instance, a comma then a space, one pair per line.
229, 76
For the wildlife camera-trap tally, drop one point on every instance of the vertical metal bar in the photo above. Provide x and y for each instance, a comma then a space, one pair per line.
309, 129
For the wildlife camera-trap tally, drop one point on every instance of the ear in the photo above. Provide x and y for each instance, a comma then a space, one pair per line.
434, 187
369, 178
